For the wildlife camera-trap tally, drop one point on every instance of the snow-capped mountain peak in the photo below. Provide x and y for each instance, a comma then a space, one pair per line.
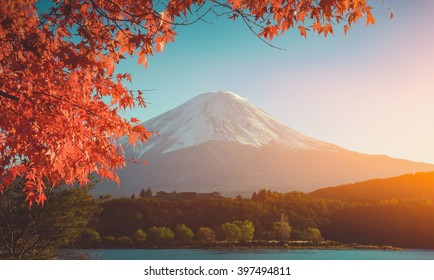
220, 116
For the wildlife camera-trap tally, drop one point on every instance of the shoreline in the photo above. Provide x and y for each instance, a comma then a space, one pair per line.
290, 245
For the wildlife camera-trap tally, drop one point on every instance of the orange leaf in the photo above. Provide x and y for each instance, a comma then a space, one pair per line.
346, 28
235, 4
370, 19
143, 60
134, 120
302, 31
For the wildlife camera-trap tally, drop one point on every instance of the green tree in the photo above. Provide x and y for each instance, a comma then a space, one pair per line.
229, 232
247, 230
146, 194
205, 234
140, 237
282, 230
88, 238
39, 232
160, 235
312, 234
183, 233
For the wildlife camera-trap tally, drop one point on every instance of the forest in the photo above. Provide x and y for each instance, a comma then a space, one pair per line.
73, 219
297, 212
396, 222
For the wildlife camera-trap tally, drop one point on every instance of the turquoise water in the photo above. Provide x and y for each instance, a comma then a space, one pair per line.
258, 254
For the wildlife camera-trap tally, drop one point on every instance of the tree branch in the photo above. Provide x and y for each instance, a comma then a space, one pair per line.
7, 95
257, 35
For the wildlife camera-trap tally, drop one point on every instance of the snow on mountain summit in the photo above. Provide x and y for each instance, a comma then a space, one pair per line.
220, 116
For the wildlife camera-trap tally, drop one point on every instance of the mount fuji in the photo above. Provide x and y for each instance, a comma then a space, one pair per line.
221, 142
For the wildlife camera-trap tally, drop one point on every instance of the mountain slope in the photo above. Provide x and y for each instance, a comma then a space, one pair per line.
219, 141
408, 186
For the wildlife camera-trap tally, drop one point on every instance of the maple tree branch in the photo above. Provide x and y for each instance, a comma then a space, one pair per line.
127, 12
248, 22
257, 35
106, 16
137, 90
219, 14
7, 95
154, 12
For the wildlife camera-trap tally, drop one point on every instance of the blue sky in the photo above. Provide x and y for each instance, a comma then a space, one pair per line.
371, 91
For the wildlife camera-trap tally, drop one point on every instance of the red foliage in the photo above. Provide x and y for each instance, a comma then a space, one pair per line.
56, 68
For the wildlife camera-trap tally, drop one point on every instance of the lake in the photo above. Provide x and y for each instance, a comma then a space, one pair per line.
258, 254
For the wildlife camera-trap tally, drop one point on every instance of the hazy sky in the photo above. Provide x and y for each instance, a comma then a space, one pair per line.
371, 91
